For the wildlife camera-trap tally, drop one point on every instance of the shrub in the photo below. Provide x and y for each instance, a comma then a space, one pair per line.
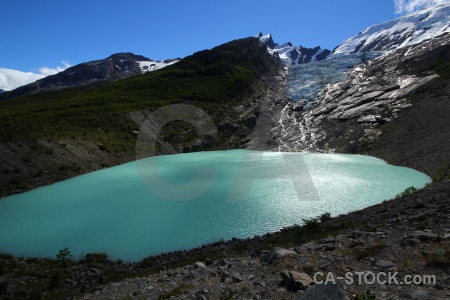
439, 260
325, 217
95, 258
361, 253
311, 224
64, 255
442, 174
56, 279
367, 295
175, 292
407, 191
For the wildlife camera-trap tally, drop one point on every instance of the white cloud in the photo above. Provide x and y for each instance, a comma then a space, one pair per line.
51, 71
407, 6
11, 79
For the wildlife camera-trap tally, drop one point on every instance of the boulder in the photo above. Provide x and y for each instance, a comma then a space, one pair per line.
426, 236
301, 279
416, 294
199, 265
409, 241
280, 253
236, 277
328, 240
385, 265
295, 280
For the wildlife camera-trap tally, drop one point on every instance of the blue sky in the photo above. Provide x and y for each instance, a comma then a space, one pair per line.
42, 37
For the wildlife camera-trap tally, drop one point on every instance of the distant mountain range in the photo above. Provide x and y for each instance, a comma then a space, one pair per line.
114, 67
404, 31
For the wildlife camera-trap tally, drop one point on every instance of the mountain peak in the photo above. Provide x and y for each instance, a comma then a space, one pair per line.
292, 55
128, 55
267, 39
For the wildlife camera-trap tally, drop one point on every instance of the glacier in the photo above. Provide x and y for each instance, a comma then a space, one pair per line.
306, 80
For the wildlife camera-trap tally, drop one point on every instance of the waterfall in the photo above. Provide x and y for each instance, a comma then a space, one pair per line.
296, 125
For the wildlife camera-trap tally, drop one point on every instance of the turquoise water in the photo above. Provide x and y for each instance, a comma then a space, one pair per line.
176, 202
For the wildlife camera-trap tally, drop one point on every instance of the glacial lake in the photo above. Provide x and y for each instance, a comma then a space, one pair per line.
177, 202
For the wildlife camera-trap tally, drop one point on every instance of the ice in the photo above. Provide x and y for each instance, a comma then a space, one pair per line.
306, 80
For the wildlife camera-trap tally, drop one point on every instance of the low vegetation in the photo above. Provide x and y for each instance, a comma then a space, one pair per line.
442, 174
407, 191
372, 250
175, 292
210, 78
70, 132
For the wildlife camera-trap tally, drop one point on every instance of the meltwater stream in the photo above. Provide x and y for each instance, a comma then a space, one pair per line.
121, 212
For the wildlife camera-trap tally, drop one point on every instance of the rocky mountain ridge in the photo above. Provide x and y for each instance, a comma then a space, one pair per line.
292, 55
115, 67
407, 30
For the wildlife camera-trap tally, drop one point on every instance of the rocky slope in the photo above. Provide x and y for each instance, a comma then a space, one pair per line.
406, 236
350, 116
409, 236
114, 67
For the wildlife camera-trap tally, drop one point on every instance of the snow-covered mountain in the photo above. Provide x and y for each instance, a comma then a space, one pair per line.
292, 55
404, 31
306, 80
2, 91
346, 75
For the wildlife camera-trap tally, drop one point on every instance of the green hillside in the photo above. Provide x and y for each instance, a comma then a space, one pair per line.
209, 77
56, 135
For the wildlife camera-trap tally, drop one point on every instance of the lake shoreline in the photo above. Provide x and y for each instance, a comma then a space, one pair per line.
96, 276
121, 211
96, 273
